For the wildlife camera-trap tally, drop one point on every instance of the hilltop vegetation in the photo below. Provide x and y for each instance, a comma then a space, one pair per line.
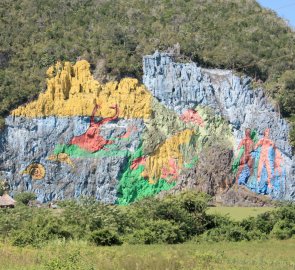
114, 35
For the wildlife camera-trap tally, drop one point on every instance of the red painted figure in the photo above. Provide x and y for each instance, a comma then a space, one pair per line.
192, 116
171, 170
246, 158
265, 143
136, 162
91, 140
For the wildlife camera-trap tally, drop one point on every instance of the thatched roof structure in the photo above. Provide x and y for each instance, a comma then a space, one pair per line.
6, 201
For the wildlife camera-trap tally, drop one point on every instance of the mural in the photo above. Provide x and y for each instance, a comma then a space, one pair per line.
91, 140
35, 170
63, 158
119, 143
246, 159
259, 164
192, 116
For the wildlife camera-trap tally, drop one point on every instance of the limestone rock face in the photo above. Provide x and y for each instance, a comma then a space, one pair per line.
35, 140
181, 87
122, 141
184, 86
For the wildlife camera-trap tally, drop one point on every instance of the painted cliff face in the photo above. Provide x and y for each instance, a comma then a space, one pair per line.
259, 164
93, 139
123, 141
264, 162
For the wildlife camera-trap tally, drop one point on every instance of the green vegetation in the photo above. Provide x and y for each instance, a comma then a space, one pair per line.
238, 213
270, 255
68, 237
114, 35
172, 220
25, 197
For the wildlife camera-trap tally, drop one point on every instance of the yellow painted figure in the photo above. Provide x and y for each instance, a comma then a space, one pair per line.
35, 170
62, 157
72, 91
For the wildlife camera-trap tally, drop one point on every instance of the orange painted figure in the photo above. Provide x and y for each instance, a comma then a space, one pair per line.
91, 140
265, 144
246, 157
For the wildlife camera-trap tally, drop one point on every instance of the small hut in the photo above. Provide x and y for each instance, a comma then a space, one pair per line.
6, 201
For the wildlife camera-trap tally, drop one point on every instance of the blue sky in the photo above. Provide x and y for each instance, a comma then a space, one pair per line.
284, 8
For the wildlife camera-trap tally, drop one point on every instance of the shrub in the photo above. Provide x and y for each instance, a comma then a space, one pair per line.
72, 260
283, 230
158, 231
25, 197
232, 233
105, 237
187, 210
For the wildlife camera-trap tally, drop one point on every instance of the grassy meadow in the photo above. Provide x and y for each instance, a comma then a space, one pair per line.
176, 232
270, 254
238, 213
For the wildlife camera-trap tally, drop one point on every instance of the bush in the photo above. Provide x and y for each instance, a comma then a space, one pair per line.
105, 237
39, 229
231, 233
217, 220
284, 227
187, 210
72, 260
287, 92
174, 219
283, 230
25, 197
158, 231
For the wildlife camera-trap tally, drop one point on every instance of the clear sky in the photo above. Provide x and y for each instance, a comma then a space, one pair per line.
284, 8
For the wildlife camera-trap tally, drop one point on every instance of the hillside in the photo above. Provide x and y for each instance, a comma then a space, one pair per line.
114, 35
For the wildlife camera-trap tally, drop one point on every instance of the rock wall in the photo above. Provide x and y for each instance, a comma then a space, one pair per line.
266, 168
123, 141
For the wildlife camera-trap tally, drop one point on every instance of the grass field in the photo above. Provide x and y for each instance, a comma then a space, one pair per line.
270, 254
238, 213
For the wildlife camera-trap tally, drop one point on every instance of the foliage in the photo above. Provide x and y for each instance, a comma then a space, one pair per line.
174, 219
158, 231
287, 92
279, 224
25, 197
114, 36
171, 220
4, 186
79, 255
105, 237
70, 261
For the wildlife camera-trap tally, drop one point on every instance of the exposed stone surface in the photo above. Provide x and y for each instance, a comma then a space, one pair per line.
179, 131
26, 141
241, 196
182, 87
212, 174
